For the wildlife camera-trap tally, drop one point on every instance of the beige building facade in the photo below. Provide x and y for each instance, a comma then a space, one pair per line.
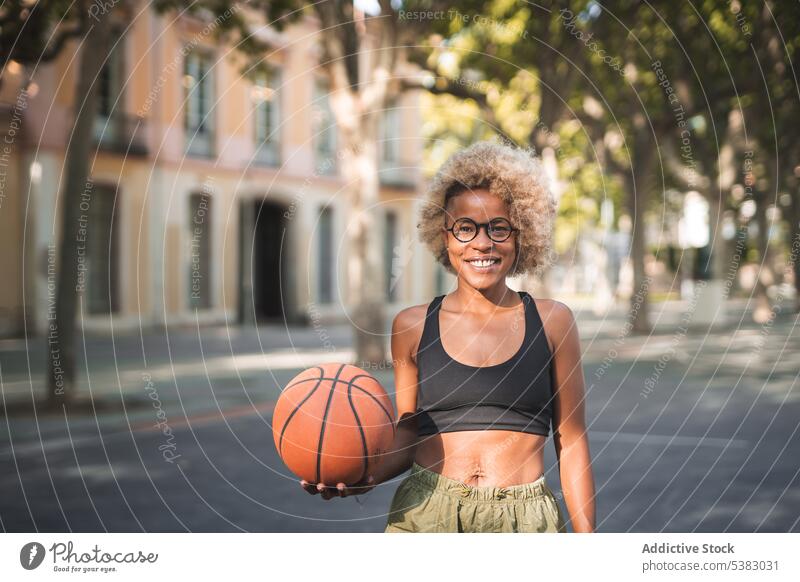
215, 194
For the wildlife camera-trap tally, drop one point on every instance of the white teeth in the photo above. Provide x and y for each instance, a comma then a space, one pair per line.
484, 263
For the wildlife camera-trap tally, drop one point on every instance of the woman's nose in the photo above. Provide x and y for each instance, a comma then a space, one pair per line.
482, 240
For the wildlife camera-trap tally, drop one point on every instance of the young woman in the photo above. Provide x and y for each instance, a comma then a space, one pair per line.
483, 373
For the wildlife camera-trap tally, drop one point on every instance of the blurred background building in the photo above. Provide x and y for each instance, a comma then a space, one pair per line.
215, 193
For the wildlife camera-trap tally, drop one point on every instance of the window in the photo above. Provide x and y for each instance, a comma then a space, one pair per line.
391, 257
324, 129
109, 102
198, 83
325, 254
266, 98
392, 170
390, 134
101, 250
115, 129
199, 251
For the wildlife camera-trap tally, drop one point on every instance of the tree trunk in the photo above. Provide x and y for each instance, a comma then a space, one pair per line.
794, 246
720, 186
710, 305
61, 321
360, 60
765, 276
725, 262
638, 181
360, 172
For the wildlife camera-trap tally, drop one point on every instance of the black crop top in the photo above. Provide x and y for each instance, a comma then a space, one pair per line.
514, 395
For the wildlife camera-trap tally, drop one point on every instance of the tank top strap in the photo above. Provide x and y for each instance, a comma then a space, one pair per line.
531, 313
529, 307
535, 325
430, 330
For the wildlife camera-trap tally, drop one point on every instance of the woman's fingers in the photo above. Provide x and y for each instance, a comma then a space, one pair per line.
317, 489
340, 490
357, 489
325, 491
309, 487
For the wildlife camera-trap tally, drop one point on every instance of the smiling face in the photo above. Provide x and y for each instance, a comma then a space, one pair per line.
482, 262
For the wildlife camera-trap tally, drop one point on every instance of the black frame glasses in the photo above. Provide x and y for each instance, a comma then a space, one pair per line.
495, 222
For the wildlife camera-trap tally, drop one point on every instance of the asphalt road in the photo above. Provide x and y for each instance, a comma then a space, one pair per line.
689, 432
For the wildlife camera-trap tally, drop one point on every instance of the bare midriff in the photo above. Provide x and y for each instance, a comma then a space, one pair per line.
483, 458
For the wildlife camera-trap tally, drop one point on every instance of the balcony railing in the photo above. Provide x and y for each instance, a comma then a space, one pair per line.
397, 175
121, 133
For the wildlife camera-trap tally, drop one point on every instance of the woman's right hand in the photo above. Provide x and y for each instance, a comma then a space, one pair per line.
340, 489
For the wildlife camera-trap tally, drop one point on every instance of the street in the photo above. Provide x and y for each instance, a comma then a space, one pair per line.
689, 432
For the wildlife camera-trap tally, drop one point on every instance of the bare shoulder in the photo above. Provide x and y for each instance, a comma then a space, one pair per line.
411, 316
407, 330
557, 319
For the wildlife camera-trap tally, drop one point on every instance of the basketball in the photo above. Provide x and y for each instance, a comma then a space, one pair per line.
330, 423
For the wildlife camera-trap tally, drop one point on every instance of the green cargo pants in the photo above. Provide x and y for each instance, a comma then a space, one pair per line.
429, 502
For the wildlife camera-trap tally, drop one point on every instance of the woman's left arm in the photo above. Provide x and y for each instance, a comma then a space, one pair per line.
569, 424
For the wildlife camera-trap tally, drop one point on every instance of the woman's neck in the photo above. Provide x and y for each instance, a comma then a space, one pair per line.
486, 300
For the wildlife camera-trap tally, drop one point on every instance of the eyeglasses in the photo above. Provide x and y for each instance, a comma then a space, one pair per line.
466, 229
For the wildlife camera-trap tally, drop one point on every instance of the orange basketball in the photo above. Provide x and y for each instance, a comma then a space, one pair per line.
330, 423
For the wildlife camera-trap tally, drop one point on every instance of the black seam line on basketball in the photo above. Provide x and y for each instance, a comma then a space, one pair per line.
378, 402
296, 408
323, 378
360, 428
307, 380
324, 420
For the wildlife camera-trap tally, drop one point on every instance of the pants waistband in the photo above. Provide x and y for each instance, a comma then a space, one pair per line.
436, 481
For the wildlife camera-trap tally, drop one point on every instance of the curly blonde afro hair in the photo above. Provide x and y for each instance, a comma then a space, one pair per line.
512, 174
